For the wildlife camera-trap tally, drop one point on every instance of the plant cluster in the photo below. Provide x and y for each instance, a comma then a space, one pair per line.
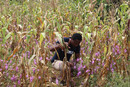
28, 28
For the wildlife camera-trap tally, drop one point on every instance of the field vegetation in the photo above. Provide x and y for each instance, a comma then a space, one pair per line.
29, 27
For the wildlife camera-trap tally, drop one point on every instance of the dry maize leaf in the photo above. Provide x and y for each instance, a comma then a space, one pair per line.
43, 62
31, 59
0, 74
86, 80
101, 79
101, 82
52, 84
15, 50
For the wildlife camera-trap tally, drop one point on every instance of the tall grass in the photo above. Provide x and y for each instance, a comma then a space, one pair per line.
28, 28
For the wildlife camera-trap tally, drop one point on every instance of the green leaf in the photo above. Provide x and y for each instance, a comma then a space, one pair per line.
58, 27
85, 28
123, 7
105, 50
28, 37
59, 36
3, 31
76, 26
6, 37
42, 35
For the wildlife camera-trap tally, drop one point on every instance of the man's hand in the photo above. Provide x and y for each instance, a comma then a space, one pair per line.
61, 47
70, 64
66, 44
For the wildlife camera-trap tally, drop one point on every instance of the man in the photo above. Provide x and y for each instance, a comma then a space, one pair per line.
73, 44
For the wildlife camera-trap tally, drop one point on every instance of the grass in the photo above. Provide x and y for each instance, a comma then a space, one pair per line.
28, 28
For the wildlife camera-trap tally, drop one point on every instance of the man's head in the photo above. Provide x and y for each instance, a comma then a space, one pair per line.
76, 39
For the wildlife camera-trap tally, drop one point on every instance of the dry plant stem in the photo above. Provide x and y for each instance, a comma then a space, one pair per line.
56, 51
86, 84
102, 78
67, 69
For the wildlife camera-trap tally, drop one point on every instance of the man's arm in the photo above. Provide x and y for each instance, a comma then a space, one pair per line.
59, 46
56, 47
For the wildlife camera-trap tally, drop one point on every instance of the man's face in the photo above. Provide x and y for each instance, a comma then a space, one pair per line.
75, 43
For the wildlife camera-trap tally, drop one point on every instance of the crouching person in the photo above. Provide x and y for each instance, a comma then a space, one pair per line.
73, 44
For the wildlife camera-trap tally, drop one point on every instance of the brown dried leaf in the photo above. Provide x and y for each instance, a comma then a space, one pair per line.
15, 50
0, 74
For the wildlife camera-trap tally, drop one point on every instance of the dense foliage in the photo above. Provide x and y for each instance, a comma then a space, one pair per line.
29, 27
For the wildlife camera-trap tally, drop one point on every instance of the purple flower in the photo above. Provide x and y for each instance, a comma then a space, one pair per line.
97, 67
97, 54
102, 64
3, 72
19, 82
27, 76
78, 59
111, 66
92, 62
8, 86
33, 70
1, 39
81, 61
86, 43
40, 58
114, 63
35, 61
39, 77
107, 68
20, 75
14, 56
28, 54
84, 66
79, 68
13, 78
117, 46
79, 73
112, 70
24, 37
6, 67
14, 85
31, 78
7, 74
115, 53
37, 69
43, 42
51, 53
74, 67
1, 60
91, 72
87, 71
125, 50
57, 82
95, 70
10, 61
17, 68
47, 58
2, 45
113, 49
